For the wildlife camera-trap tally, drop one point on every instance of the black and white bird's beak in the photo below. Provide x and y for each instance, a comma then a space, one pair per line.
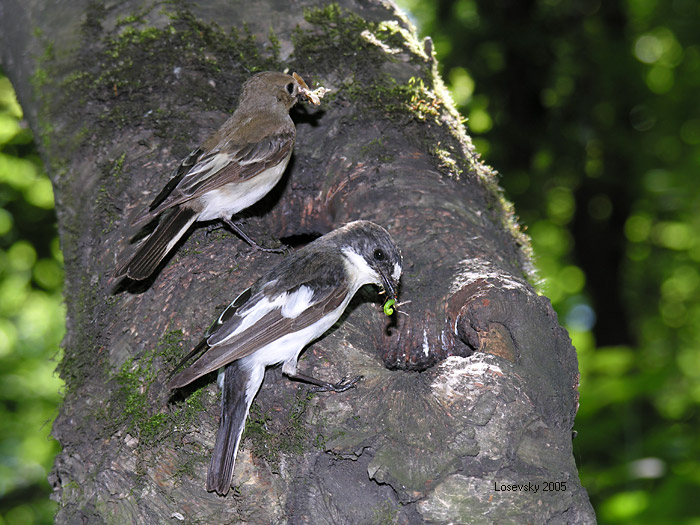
389, 285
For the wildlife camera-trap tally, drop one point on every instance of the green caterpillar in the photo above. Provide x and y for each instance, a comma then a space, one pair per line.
388, 310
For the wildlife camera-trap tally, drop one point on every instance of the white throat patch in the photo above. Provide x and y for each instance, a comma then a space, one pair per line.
359, 271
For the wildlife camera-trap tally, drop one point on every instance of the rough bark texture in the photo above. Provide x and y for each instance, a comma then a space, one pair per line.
471, 392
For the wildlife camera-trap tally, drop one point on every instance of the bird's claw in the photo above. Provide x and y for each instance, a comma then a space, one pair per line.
340, 386
280, 249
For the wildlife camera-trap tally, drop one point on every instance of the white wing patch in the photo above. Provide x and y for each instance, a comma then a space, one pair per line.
213, 164
256, 312
179, 234
231, 198
292, 306
297, 302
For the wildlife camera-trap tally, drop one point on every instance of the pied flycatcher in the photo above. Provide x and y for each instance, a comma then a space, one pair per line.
272, 321
234, 168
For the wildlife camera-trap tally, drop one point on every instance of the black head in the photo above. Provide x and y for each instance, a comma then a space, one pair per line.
373, 253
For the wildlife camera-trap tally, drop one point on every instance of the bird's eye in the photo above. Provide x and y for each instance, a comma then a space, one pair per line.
290, 88
378, 254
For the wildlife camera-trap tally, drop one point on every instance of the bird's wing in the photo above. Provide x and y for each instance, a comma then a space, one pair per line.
231, 309
261, 320
215, 168
183, 168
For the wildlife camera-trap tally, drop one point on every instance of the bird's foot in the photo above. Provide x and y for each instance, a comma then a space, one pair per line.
233, 226
340, 386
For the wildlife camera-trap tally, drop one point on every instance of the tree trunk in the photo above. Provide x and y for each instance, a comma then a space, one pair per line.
466, 410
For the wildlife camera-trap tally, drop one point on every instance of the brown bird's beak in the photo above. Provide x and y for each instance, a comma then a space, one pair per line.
312, 96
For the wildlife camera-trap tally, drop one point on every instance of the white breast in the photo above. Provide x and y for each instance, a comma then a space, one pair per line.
286, 349
236, 196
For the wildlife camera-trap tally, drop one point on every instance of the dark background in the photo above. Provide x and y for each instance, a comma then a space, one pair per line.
590, 111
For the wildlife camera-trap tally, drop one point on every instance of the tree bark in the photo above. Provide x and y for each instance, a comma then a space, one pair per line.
468, 399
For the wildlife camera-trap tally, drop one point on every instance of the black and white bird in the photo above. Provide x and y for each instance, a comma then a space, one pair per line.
232, 170
272, 321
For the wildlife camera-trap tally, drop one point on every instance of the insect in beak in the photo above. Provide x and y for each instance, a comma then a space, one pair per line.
314, 96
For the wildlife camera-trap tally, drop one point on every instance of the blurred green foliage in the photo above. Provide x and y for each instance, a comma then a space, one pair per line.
32, 322
591, 112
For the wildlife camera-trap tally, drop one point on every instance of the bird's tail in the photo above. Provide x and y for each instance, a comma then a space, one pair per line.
238, 390
154, 249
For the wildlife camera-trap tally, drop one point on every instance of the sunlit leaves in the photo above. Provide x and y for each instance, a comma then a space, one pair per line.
624, 505
659, 46
690, 131
461, 85
32, 321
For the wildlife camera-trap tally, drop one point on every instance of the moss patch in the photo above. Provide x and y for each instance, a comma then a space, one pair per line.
386, 74
366, 46
270, 438
73, 368
139, 407
133, 62
376, 55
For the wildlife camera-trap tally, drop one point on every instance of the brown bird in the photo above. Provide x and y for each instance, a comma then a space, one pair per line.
234, 168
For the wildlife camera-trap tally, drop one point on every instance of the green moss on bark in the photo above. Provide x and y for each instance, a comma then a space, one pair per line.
140, 75
388, 73
137, 406
288, 436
